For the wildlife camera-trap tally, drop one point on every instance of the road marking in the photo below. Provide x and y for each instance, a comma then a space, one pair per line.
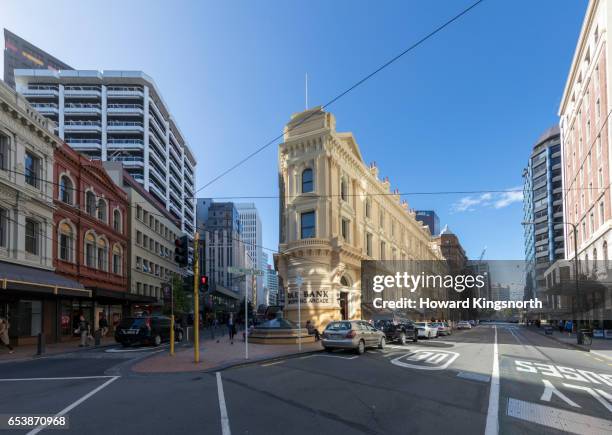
425, 356
598, 359
272, 363
135, 349
492, 427
75, 404
474, 376
338, 356
592, 393
560, 419
225, 427
68, 378
549, 390
604, 356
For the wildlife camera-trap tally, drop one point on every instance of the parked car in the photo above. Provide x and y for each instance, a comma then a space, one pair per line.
152, 330
426, 329
397, 329
443, 328
464, 324
352, 334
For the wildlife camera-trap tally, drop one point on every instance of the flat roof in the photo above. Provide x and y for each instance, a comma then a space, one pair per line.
105, 77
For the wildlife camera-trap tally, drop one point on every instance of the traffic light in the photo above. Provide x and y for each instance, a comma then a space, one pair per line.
181, 251
204, 283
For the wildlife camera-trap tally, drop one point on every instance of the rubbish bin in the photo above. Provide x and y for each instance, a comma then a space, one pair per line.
585, 337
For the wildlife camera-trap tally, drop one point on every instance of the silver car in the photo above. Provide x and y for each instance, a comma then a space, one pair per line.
352, 334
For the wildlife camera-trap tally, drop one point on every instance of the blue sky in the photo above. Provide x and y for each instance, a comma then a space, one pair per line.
459, 113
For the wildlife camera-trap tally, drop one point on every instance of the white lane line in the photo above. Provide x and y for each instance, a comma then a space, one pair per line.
70, 407
272, 363
601, 355
492, 427
68, 378
337, 356
560, 419
225, 427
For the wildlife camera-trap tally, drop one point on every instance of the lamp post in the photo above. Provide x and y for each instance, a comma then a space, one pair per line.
575, 234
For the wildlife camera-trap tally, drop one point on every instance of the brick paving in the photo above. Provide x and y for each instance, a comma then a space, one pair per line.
26, 352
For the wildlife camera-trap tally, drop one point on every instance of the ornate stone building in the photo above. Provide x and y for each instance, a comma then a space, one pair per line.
334, 213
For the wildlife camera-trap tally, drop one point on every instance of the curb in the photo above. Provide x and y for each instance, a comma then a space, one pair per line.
573, 345
53, 354
227, 366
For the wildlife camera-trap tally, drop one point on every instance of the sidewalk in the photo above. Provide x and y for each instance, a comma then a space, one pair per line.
218, 356
26, 352
601, 347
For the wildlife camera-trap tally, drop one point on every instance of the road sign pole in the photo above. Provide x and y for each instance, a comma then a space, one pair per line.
298, 281
246, 324
196, 299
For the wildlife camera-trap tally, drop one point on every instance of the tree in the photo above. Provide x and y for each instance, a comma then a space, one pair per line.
182, 304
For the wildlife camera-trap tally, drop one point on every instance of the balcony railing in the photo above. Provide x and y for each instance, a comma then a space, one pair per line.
83, 125
41, 90
128, 160
126, 143
45, 107
84, 143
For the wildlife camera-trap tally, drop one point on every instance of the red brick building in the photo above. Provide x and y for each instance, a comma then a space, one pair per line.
90, 240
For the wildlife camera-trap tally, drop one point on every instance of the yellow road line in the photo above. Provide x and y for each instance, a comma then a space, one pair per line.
272, 363
598, 359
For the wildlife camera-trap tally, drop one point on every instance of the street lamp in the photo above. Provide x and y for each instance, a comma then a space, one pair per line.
575, 233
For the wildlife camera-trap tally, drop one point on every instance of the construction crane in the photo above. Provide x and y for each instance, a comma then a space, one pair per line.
482, 255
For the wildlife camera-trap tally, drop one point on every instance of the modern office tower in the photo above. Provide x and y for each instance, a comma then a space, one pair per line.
220, 230
250, 224
429, 218
272, 285
119, 116
20, 54
543, 208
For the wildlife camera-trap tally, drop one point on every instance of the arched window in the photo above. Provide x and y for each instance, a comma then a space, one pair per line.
90, 203
102, 254
344, 282
307, 180
102, 215
66, 242
90, 249
343, 189
368, 208
117, 224
117, 259
66, 190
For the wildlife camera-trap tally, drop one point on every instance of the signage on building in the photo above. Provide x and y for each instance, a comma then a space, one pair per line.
309, 297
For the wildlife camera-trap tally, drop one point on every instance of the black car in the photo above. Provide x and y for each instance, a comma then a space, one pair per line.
395, 329
152, 330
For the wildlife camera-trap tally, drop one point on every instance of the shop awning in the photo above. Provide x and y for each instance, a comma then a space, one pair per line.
31, 279
118, 296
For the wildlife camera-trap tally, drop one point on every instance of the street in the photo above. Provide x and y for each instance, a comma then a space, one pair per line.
434, 386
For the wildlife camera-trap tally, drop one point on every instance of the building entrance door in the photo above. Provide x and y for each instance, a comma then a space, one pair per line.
344, 305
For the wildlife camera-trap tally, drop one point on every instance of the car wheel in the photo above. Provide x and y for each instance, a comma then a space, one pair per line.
360, 347
382, 343
157, 340
428, 334
415, 337
402, 338
327, 349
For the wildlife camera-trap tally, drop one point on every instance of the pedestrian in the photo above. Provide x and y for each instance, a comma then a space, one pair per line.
4, 336
561, 326
231, 328
312, 330
83, 331
103, 323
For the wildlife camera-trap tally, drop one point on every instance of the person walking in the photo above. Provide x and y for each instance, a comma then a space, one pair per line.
103, 323
231, 328
84, 331
4, 336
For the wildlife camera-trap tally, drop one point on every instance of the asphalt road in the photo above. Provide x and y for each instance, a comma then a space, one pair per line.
445, 385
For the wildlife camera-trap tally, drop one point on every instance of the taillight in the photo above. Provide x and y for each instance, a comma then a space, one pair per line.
148, 322
351, 334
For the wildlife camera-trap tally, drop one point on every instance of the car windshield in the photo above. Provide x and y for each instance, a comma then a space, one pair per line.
133, 323
420, 324
339, 326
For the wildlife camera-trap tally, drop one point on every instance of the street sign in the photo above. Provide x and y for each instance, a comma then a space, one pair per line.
245, 271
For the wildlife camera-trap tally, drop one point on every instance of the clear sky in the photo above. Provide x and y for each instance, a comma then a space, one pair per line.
459, 113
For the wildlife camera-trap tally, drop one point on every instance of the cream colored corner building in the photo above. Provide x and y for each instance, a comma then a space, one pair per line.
334, 213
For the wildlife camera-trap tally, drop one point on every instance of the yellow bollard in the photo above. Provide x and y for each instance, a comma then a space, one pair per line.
172, 335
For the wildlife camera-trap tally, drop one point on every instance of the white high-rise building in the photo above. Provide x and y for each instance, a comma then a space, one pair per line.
119, 116
250, 225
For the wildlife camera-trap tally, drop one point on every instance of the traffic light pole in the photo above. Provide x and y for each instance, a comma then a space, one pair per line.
196, 298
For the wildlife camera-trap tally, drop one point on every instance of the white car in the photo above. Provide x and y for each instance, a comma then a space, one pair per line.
464, 324
426, 329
